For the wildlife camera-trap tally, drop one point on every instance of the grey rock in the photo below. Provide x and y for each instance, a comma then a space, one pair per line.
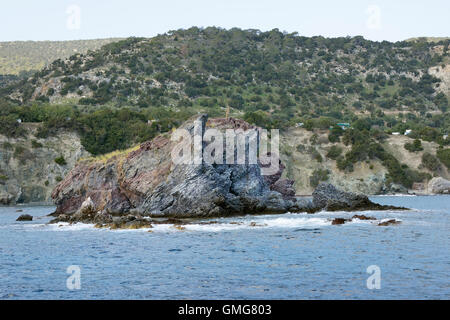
285, 187
327, 197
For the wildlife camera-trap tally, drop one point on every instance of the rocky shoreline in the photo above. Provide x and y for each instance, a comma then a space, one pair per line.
326, 197
135, 189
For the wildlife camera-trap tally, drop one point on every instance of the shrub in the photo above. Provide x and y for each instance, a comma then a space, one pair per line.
316, 155
301, 148
335, 134
444, 156
318, 176
7, 145
61, 161
36, 144
22, 154
314, 139
415, 146
344, 164
430, 162
334, 152
10, 127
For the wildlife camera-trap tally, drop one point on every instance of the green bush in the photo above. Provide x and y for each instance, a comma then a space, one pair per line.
7, 145
430, 162
335, 134
318, 176
444, 156
344, 164
10, 127
301, 148
316, 155
36, 144
415, 146
61, 161
334, 152
314, 138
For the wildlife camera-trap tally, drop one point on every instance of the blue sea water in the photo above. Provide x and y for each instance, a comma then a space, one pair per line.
289, 256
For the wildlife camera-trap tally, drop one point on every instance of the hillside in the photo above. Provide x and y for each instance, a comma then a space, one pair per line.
285, 74
129, 91
21, 57
310, 158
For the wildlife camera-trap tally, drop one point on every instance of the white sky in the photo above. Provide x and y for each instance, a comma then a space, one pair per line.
391, 20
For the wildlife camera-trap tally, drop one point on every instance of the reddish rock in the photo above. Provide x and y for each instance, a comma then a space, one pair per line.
337, 221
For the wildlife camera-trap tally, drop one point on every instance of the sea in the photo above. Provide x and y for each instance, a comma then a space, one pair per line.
285, 256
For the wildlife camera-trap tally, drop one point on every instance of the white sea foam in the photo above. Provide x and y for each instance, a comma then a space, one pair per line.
62, 226
285, 221
395, 195
260, 223
387, 219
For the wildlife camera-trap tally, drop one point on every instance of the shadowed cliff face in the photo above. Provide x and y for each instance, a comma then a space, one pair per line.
146, 181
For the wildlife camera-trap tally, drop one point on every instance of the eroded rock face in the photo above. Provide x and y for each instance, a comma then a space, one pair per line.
147, 182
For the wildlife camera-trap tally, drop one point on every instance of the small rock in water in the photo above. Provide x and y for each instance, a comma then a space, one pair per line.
25, 217
338, 221
389, 223
19, 210
363, 217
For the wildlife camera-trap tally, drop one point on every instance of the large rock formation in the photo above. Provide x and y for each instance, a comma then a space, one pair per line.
146, 182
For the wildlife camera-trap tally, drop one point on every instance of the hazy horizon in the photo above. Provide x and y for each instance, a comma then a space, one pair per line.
56, 20
124, 37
